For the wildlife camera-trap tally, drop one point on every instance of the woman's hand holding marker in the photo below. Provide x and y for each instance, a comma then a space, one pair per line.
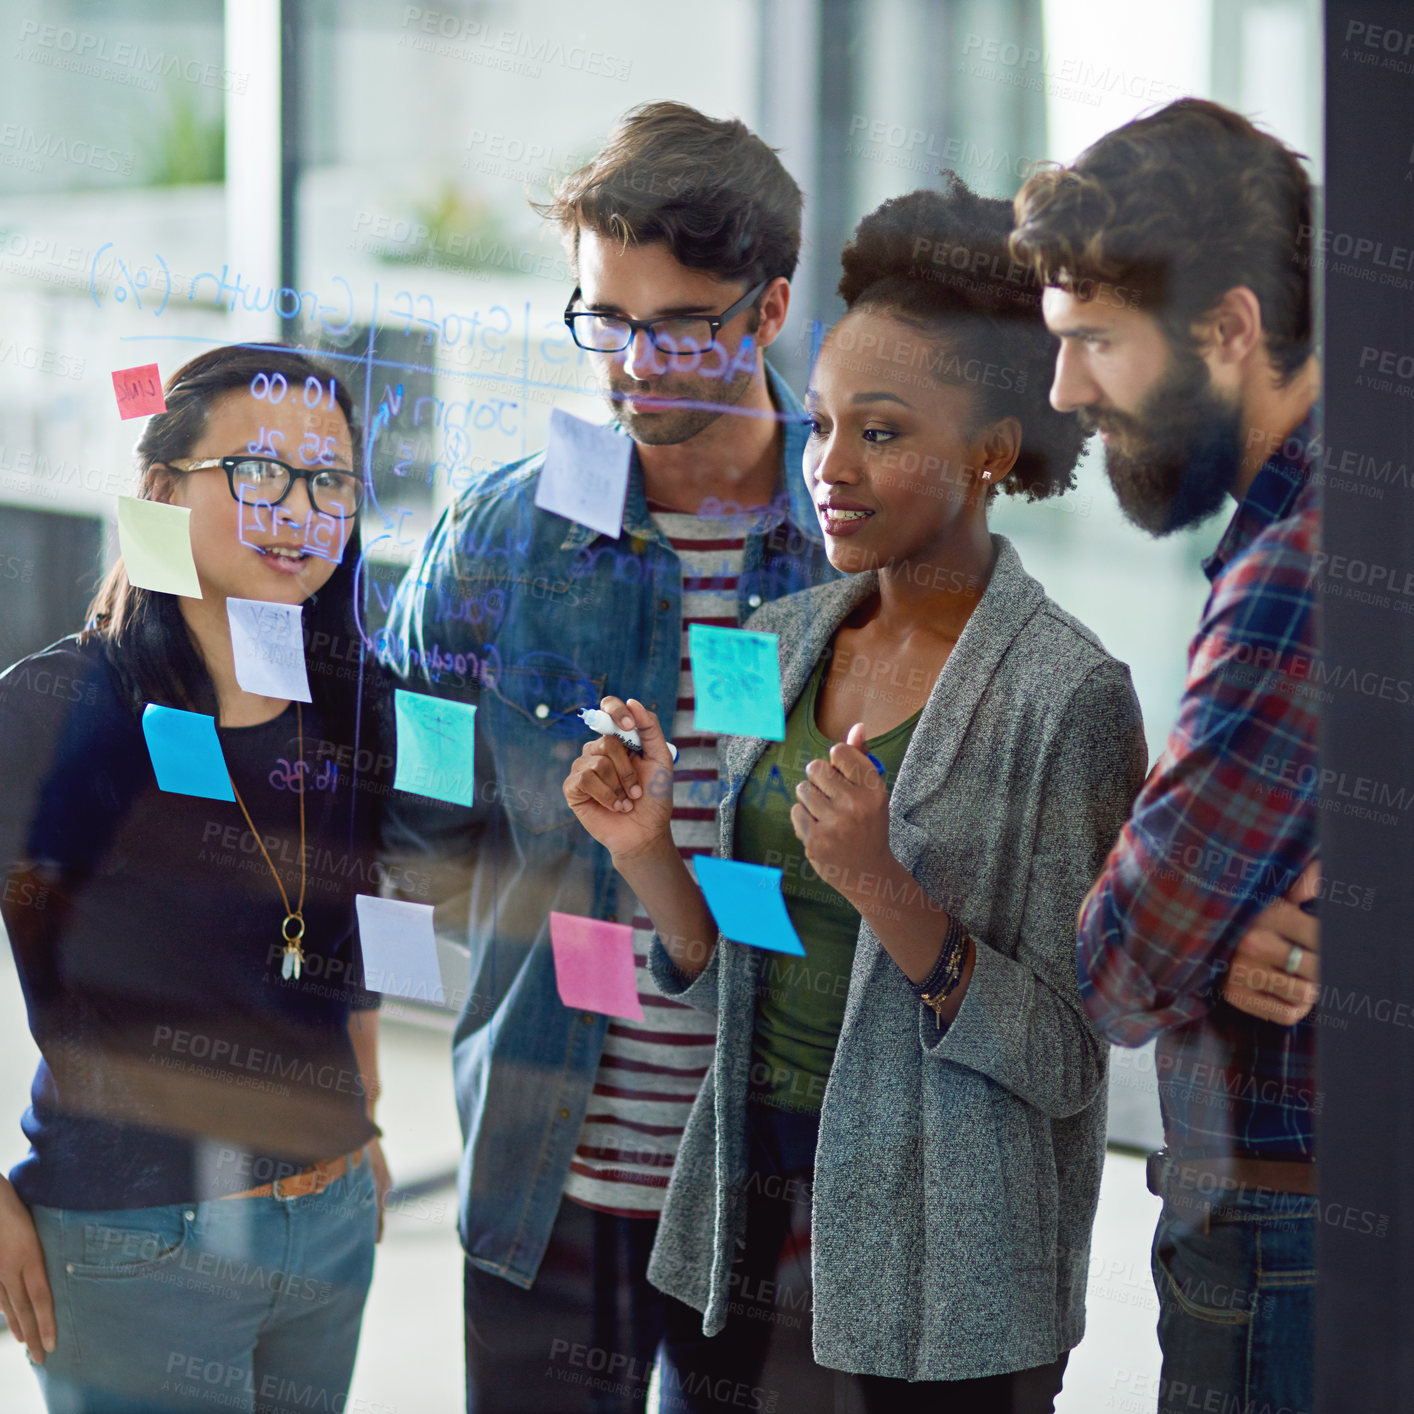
842, 817
622, 796
605, 725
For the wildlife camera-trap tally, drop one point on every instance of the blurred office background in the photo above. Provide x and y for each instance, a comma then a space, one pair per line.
355, 175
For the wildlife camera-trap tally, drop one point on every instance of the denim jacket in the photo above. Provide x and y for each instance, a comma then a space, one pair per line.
531, 617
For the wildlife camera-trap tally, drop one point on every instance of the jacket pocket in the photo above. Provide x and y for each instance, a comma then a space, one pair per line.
533, 736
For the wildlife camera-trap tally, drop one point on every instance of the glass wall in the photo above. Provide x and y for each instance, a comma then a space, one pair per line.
422, 209
359, 177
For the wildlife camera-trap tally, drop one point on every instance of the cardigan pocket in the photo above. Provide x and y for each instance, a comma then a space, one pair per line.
994, 1197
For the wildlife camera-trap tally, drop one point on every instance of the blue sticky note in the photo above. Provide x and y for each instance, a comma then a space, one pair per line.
186, 753
435, 745
584, 476
746, 901
736, 679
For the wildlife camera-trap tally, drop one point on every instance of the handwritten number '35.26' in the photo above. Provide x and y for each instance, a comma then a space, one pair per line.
314, 452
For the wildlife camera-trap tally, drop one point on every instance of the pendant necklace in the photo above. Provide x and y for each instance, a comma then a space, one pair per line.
292, 929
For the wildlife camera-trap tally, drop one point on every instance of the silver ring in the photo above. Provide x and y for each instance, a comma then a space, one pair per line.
1292, 965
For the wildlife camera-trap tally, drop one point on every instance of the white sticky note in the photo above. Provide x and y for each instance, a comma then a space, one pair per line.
155, 540
268, 645
585, 476
399, 948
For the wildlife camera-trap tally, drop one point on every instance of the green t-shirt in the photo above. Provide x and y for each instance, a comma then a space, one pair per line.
800, 1000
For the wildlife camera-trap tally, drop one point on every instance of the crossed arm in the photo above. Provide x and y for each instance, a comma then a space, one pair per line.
1257, 981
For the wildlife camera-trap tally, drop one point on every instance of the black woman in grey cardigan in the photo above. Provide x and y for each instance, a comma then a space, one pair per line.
952, 1162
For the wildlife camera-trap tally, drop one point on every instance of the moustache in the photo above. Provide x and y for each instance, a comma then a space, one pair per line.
1092, 421
619, 392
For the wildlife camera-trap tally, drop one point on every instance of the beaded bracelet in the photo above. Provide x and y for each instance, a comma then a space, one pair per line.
934, 990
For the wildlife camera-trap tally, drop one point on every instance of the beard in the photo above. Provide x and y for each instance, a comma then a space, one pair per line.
1174, 461
693, 401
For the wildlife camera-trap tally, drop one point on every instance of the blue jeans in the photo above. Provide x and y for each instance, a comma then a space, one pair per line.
1236, 1304
245, 1304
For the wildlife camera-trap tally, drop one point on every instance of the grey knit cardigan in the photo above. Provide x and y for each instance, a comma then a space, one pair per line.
957, 1174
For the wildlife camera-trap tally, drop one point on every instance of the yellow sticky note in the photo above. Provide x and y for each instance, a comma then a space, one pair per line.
156, 543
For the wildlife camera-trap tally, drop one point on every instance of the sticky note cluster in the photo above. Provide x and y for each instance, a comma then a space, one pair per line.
736, 677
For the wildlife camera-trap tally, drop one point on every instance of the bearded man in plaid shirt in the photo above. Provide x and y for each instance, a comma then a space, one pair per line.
1175, 252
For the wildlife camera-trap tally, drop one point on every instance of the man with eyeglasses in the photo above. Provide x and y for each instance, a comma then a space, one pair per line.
683, 233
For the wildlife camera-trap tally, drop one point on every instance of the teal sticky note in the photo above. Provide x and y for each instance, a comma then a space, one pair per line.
746, 901
186, 752
435, 742
736, 680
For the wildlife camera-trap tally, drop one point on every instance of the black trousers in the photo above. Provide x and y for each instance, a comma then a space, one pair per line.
762, 1361
584, 1338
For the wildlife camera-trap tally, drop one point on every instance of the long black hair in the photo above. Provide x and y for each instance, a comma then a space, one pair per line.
143, 631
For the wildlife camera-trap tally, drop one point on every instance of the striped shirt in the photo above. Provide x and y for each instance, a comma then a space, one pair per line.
1224, 824
650, 1071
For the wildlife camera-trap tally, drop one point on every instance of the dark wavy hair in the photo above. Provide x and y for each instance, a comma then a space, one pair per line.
708, 188
1178, 208
938, 262
143, 631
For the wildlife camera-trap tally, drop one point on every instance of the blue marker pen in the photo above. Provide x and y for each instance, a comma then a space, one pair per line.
878, 765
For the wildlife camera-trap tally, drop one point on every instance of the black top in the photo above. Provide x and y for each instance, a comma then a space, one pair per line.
146, 926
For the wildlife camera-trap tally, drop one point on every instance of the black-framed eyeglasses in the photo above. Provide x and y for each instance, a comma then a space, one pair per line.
672, 334
266, 481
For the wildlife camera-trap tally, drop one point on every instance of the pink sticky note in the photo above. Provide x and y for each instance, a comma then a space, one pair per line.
594, 965
139, 391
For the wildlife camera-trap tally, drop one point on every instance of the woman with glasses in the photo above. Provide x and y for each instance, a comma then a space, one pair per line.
894, 1162
182, 833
